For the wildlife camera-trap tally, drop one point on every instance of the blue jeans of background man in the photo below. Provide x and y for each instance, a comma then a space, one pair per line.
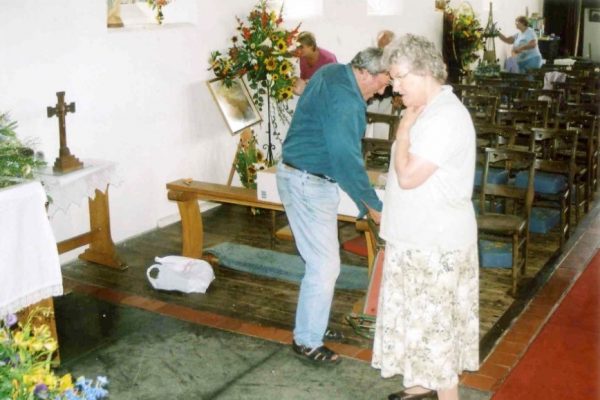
311, 206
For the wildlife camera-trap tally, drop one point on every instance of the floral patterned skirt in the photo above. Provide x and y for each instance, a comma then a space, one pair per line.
427, 325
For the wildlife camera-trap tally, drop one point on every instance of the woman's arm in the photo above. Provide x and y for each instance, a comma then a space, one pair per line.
506, 39
529, 45
411, 169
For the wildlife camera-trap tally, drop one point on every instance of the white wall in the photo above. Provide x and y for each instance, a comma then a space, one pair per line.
591, 33
141, 94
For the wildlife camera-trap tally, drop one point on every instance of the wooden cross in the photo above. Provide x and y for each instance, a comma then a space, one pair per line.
65, 161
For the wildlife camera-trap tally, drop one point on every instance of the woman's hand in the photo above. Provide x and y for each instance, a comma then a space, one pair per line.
409, 117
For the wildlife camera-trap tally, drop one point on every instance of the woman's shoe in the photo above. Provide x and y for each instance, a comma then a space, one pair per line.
402, 395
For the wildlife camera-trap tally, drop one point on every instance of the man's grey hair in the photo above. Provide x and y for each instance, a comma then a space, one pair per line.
369, 59
419, 54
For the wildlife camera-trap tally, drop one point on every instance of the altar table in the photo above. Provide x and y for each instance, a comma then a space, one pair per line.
91, 182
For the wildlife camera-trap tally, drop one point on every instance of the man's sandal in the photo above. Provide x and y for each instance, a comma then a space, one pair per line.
332, 335
317, 355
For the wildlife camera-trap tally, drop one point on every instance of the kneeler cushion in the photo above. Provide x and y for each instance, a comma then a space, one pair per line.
495, 254
543, 182
496, 176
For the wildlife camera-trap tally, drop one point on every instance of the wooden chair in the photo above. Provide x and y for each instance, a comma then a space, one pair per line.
587, 148
555, 174
571, 88
554, 96
540, 106
377, 151
482, 108
461, 90
364, 312
587, 151
509, 224
520, 119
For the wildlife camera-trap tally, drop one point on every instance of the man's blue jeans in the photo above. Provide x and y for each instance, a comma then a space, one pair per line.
311, 207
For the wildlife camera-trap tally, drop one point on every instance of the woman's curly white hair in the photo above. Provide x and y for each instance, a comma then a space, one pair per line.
419, 54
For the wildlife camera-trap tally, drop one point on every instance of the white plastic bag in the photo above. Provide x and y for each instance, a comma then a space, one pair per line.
184, 274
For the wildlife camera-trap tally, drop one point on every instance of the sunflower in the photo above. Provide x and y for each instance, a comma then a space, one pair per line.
285, 68
270, 64
281, 45
285, 94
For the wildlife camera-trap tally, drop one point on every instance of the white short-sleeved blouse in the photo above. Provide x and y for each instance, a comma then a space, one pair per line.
439, 213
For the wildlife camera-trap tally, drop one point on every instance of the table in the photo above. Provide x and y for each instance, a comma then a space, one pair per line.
29, 262
91, 182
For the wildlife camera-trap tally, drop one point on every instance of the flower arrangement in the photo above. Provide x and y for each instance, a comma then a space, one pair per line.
25, 364
249, 159
261, 51
17, 160
158, 5
463, 36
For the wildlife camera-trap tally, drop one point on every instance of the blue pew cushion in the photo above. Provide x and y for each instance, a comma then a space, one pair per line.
497, 176
543, 182
543, 219
494, 254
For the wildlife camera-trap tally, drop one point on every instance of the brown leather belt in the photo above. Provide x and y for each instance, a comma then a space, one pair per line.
328, 179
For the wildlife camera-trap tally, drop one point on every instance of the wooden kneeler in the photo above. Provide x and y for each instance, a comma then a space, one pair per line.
362, 318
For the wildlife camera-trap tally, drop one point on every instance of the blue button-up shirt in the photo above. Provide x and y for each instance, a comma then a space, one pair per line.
326, 131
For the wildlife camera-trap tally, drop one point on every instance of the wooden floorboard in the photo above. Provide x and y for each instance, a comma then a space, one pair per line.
271, 302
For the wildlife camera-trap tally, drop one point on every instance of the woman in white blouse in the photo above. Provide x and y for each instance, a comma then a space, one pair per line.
427, 324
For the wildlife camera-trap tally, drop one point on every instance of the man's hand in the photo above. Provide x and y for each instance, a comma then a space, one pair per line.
299, 86
373, 213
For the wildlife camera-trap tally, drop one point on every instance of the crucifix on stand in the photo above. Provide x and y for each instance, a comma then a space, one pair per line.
65, 161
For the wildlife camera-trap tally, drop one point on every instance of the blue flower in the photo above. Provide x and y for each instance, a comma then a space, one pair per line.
10, 320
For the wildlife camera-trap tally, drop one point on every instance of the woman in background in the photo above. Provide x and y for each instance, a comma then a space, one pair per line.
525, 48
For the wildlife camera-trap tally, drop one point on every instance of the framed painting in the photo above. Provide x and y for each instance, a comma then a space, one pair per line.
594, 15
235, 103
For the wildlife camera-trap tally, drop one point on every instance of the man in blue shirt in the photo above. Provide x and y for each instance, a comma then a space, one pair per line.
322, 148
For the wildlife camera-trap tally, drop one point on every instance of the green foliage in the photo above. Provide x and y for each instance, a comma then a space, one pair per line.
463, 35
26, 351
18, 161
248, 160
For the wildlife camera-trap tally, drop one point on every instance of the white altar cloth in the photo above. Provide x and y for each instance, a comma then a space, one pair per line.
73, 187
29, 263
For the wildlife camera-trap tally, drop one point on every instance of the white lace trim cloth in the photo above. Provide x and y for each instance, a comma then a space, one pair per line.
31, 298
75, 187
29, 266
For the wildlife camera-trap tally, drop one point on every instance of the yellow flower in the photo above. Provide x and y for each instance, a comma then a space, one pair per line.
50, 345
20, 341
260, 53
285, 67
36, 345
270, 64
66, 382
285, 94
281, 45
